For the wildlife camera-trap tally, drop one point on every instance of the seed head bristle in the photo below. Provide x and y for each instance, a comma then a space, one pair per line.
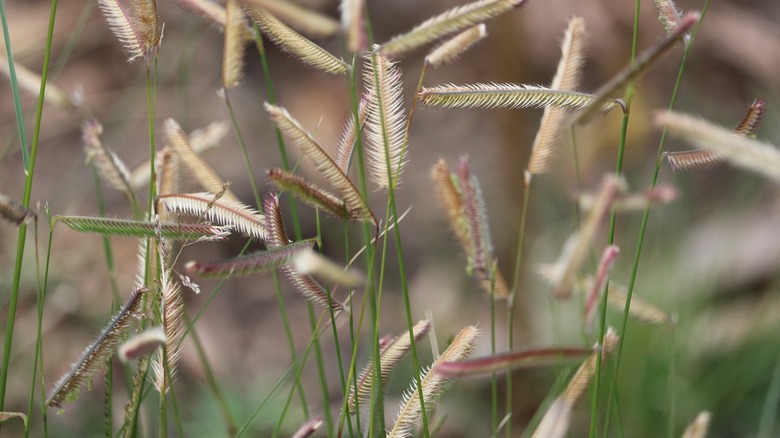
312, 263
142, 344
352, 23
706, 159
206, 9
98, 352
309, 427
447, 23
641, 309
277, 237
296, 44
510, 360
233, 48
476, 218
645, 59
148, 29
135, 228
358, 209
351, 132
739, 150
310, 289
110, 167
391, 354
172, 317
567, 77
386, 122
124, 27
249, 264
14, 212
607, 260
451, 201
309, 193
699, 426
752, 121
556, 420
201, 140
451, 49
692, 161
462, 201
168, 179
238, 216
578, 384
303, 20
432, 384
668, 15
197, 166
30, 82
506, 95
143, 254
576, 250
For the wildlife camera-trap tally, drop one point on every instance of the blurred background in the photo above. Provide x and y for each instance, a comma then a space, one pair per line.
710, 258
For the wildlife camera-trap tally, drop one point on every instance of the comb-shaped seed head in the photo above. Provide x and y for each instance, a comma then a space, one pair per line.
432, 384
451, 49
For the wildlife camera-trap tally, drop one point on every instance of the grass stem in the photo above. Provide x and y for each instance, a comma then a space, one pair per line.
643, 226
629, 95
29, 166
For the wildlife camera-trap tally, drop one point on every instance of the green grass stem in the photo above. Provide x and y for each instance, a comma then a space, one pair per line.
242, 146
29, 172
399, 250
15, 92
108, 256
332, 315
629, 94
643, 226
322, 375
219, 397
493, 376
513, 296
269, 90
769, 413
38, 356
